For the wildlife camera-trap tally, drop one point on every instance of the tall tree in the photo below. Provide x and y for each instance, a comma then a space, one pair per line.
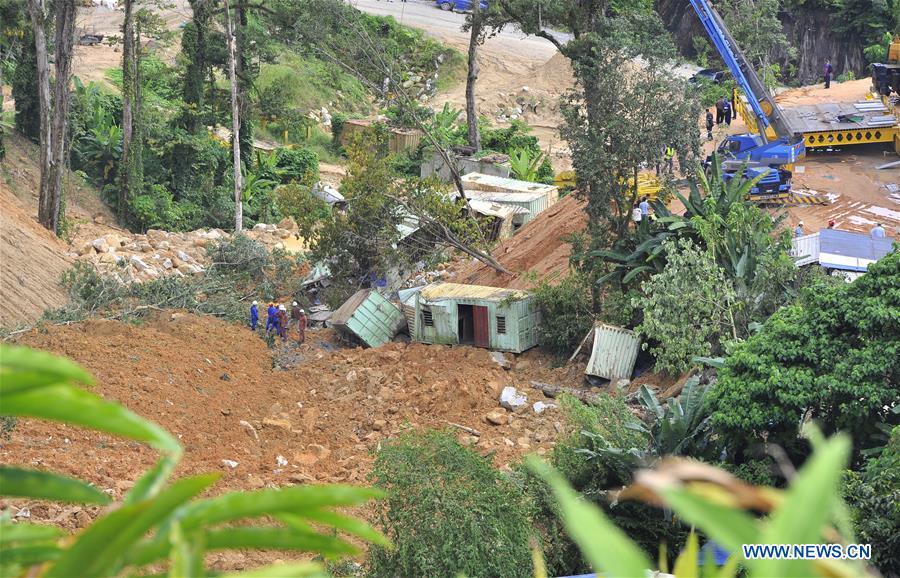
54, 112
235, 123
476, 37
131, 182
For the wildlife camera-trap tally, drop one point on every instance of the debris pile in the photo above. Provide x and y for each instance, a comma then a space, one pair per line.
133, 257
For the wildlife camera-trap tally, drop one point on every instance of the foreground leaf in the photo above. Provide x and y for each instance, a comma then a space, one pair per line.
99, 550
808, 504
604, 545
44, 485
74, 406
22, 368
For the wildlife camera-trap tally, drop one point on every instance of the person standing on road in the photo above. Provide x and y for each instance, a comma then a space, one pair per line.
877, 232
727, 110
827, 73
709, 125
254, 316
670, 157
720, 111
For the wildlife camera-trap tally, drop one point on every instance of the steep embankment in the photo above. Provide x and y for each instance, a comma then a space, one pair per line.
31, 262
810, 29
538, 250
33, 259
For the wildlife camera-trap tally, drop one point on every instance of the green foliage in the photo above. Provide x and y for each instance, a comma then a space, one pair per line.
158, 520
873, 495
566, 314
686, 307
307, 210
597, 455
757, 29
447, 511
722, 221
832, 355
802, 515
681, 425
297, 165
18, 65
525, 166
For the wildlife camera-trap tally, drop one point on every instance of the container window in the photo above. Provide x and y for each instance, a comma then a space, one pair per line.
501, 324
427, 319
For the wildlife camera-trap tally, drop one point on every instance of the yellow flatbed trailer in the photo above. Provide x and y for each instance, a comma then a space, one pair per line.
836, 124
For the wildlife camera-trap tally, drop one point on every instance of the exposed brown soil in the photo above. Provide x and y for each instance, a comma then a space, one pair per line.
32, 260
539, 250
213, 385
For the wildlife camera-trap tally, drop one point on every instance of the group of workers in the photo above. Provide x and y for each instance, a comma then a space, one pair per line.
277, 320
877, 232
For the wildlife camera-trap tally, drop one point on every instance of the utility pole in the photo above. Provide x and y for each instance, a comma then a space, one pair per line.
235, 125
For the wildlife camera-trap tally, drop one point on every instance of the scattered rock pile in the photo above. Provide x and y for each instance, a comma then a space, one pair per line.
525, 104
142, 257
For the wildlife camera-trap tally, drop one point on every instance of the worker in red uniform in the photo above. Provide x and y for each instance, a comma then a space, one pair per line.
282, 322
299, 316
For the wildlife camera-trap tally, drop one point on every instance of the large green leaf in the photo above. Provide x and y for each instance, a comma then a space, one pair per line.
11, 533
44, 485
186, 555
74, 406
604, 545
296, 499
153, 481
22, 368
29, 555
727, 526
808, 504
277, 539
350, 525
100, 549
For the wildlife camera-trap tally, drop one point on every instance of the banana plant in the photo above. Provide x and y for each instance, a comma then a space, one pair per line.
681, 425
524, 164
159, 522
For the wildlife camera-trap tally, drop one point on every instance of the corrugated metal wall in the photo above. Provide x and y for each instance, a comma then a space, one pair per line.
376, 320
614, 353
521, 322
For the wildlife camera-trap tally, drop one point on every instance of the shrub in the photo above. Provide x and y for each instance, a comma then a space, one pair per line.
834, 355
686, 307
448, 512
565, 313
297, 165
307, 210
874, 496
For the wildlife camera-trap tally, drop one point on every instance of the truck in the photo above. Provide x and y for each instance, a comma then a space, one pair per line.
886, 76
755, 154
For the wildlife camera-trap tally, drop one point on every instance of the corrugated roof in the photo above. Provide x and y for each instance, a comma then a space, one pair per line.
438, 291
343, 313
851, 251
505, 183
504, 196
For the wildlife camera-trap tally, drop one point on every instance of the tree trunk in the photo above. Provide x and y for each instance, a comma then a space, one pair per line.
65, 44
474, 40
45, 202
235, 124
244, 76
128, 76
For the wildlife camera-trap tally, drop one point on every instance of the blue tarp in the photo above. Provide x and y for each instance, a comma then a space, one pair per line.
836, 246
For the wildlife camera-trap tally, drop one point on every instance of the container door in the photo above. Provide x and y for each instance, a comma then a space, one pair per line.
482, 326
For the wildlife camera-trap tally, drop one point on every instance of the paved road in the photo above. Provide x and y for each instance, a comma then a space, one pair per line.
425, 15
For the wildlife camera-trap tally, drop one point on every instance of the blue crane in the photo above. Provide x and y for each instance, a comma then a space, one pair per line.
755, 152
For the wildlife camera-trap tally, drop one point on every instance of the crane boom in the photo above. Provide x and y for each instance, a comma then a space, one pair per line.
743, 73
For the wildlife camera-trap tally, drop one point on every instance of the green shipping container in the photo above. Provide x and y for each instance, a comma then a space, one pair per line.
369, 318
490, 317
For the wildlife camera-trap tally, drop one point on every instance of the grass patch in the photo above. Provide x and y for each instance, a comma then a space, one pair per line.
315, 83
452, 71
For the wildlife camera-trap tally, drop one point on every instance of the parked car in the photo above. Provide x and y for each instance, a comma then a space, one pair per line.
458, 5
708, 75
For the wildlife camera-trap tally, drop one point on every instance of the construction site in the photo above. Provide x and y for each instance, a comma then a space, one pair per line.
427, 285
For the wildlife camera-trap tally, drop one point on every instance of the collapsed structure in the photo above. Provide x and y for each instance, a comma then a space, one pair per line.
499, 319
